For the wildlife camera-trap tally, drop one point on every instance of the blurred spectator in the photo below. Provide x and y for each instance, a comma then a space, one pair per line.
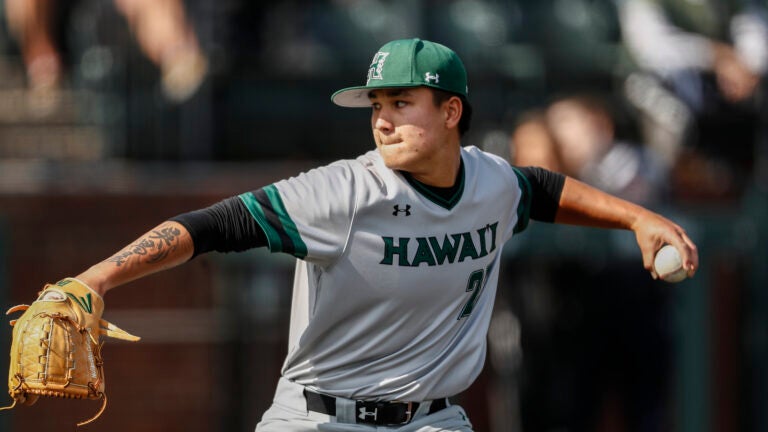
585, 133
159, 26
703, 66
32, 24
576, 135
532, 143
585, 374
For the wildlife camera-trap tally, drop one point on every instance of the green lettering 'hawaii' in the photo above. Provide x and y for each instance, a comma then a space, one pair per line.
423, 253
447, 249
84, 302
468, 249
493, 236
390, 250
432, 252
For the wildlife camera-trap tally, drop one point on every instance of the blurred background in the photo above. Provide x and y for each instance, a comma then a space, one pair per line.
115, 115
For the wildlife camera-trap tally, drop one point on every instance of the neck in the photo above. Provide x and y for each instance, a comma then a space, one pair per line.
443, 171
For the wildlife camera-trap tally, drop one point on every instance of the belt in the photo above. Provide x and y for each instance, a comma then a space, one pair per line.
369, 412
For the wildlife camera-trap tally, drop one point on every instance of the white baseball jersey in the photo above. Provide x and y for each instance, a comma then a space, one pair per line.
395, 286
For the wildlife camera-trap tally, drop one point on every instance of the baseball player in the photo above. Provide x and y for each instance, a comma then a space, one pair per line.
398, 252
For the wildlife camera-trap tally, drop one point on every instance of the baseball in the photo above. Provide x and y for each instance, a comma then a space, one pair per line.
669, 265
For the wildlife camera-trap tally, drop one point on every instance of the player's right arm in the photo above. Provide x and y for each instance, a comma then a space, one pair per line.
565, 200
581, 204
225, 226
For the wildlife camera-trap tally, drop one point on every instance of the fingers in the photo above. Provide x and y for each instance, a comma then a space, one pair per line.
688, 252
648, 256
690, 255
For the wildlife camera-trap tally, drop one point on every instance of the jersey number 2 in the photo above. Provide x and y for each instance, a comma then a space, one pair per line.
475, 285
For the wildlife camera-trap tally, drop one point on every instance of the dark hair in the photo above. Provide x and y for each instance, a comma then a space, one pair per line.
440, 96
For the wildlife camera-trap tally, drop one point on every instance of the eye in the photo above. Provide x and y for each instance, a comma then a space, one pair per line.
400, 104
376, 106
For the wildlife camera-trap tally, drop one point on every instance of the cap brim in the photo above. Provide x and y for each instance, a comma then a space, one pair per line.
352, 97
357, 97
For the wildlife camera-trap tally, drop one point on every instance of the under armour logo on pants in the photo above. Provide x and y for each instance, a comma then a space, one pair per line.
365, 414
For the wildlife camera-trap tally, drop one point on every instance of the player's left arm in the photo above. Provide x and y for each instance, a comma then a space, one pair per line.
581, 204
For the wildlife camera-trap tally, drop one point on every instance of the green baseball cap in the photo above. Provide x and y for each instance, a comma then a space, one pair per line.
408, 63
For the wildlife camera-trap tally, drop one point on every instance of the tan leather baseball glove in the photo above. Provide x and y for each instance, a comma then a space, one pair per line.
56, 349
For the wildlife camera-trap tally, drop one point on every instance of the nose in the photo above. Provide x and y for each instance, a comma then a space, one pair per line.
381, 123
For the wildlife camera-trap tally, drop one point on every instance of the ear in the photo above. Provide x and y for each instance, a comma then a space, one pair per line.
452, 109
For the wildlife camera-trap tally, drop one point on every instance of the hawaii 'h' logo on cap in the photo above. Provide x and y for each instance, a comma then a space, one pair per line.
377, 64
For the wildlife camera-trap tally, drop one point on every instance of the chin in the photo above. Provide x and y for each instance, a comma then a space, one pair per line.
392, 163
396, 164
398, 156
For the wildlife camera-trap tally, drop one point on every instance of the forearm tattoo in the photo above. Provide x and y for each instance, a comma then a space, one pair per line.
154, 247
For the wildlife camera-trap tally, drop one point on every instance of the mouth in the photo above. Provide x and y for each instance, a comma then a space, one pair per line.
386, 141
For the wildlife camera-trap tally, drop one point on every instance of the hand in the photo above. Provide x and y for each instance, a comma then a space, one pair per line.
653, 231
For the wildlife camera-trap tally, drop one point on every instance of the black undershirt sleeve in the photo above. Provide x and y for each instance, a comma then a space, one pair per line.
226, 226
546, 187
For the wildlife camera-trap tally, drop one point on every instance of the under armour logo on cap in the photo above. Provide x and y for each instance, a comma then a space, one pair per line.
429, 77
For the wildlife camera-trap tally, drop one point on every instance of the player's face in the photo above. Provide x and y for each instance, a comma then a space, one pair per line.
409, 130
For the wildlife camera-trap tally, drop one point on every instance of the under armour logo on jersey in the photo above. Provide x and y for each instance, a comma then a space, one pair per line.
398, 210
429, 77
365, 414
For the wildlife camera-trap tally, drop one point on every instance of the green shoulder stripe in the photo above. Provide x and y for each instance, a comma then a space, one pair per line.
266, 206
524, 207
